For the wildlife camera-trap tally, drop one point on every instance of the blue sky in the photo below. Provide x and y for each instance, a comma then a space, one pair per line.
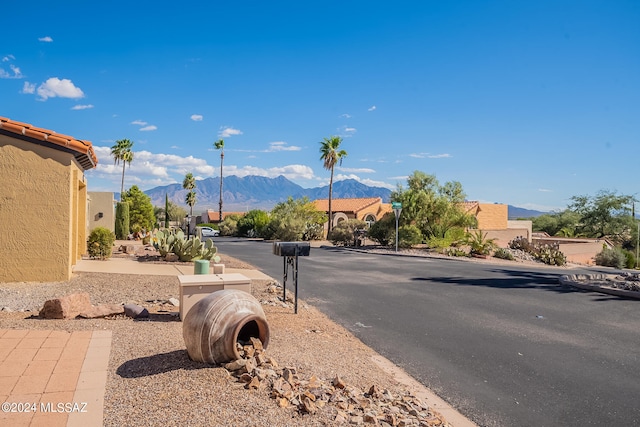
525, 103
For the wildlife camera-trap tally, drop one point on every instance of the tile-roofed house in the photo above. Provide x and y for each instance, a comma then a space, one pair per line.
43, 213
369, 209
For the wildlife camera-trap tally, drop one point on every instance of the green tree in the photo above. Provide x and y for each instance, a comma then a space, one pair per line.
141, 212
219, 145
383, 231
176, 213
344, 233
433, 208
121, 152
563, 223
330, 155
229, 227
607, 214
253, 223
295, 220
189, 183
122, 220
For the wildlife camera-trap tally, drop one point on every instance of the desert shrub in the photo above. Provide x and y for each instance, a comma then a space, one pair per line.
344, 233
253, 223
383, 231
503, 253
455, 252
452, 238
611, 258
547, 253
630, 258
229, 226
100, 243
521, 243
409, 236
479, 244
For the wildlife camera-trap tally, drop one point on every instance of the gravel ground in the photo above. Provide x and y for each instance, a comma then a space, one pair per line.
151, 380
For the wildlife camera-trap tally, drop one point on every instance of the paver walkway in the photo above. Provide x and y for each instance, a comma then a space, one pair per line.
53, 378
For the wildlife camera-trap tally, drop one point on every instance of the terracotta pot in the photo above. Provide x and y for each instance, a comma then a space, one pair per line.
214, 325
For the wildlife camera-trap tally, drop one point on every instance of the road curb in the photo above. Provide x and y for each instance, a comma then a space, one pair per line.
578, 281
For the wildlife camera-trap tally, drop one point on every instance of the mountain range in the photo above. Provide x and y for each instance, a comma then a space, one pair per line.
241, 194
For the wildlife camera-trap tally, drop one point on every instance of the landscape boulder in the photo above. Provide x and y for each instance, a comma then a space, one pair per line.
135, 311
103, 310
67, 307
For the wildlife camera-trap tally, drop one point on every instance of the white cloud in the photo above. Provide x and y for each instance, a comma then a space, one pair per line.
15, 74
8, 58
46, 39
281, 146
400, 177
226, 131
148, 128
139, 122
372, 108
345, 116
82, 107
196, 117
430, 156
29, 88
55, 87
545, 190
355, 170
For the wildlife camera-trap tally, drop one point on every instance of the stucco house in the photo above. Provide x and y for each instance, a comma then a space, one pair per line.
493, 219
368, 209
43, 213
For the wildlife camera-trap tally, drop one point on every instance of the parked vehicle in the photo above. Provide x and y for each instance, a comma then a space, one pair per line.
208, 232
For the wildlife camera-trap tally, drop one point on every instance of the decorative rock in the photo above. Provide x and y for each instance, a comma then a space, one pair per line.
236, 365
171, 257
174, 302
104, 310
338, 383
67, 307
135, 311
254, 384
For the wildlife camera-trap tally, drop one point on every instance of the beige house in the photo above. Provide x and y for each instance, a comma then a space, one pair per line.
102, 210
493, 219
42, 172
368, 209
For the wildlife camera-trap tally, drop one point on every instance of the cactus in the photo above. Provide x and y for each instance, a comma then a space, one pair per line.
167, 241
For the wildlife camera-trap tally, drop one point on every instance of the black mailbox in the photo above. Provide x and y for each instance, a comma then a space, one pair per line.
291, 248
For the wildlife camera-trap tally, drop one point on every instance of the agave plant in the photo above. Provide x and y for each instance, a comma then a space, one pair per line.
479, 244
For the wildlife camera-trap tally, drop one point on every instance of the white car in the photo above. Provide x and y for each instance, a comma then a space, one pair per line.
209, 232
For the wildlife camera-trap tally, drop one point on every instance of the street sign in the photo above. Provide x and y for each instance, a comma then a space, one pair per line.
397, 210
396, 205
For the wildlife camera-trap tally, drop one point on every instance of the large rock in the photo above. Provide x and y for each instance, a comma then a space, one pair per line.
103, 310
67, 307
135, 311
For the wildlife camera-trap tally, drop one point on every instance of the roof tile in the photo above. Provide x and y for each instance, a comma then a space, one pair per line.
86, 155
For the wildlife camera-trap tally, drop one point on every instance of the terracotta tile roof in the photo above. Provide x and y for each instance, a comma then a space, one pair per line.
346, 205
214, 216
81, 150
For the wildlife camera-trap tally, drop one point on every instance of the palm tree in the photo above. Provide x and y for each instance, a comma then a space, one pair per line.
329, 148
189, 183
121, 151
219, 145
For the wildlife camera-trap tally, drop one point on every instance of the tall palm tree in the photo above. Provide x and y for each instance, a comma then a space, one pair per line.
219, 145
330, 155
189, 183
121, 152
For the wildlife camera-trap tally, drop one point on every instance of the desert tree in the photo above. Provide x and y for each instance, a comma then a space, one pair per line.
330, 155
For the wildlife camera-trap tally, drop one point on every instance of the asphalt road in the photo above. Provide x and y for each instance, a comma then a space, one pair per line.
505, 345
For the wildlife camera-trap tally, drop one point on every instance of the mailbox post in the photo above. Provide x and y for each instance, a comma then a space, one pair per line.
290, 251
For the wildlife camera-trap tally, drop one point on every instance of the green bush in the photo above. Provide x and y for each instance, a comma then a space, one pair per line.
344, 234
479, 244
548, 253
521, 243
452, 238
502, 253
100, 243
630, 258
383, 231
122, 220
611, 258
455, 252
409, 236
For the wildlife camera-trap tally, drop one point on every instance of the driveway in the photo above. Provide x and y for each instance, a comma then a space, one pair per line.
504, 344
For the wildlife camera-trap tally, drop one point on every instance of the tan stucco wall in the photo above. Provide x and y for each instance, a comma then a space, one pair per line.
503, 237
42, 212
492, 216
103, 202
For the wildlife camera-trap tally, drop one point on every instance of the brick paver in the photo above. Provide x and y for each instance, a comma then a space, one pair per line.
53, 378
